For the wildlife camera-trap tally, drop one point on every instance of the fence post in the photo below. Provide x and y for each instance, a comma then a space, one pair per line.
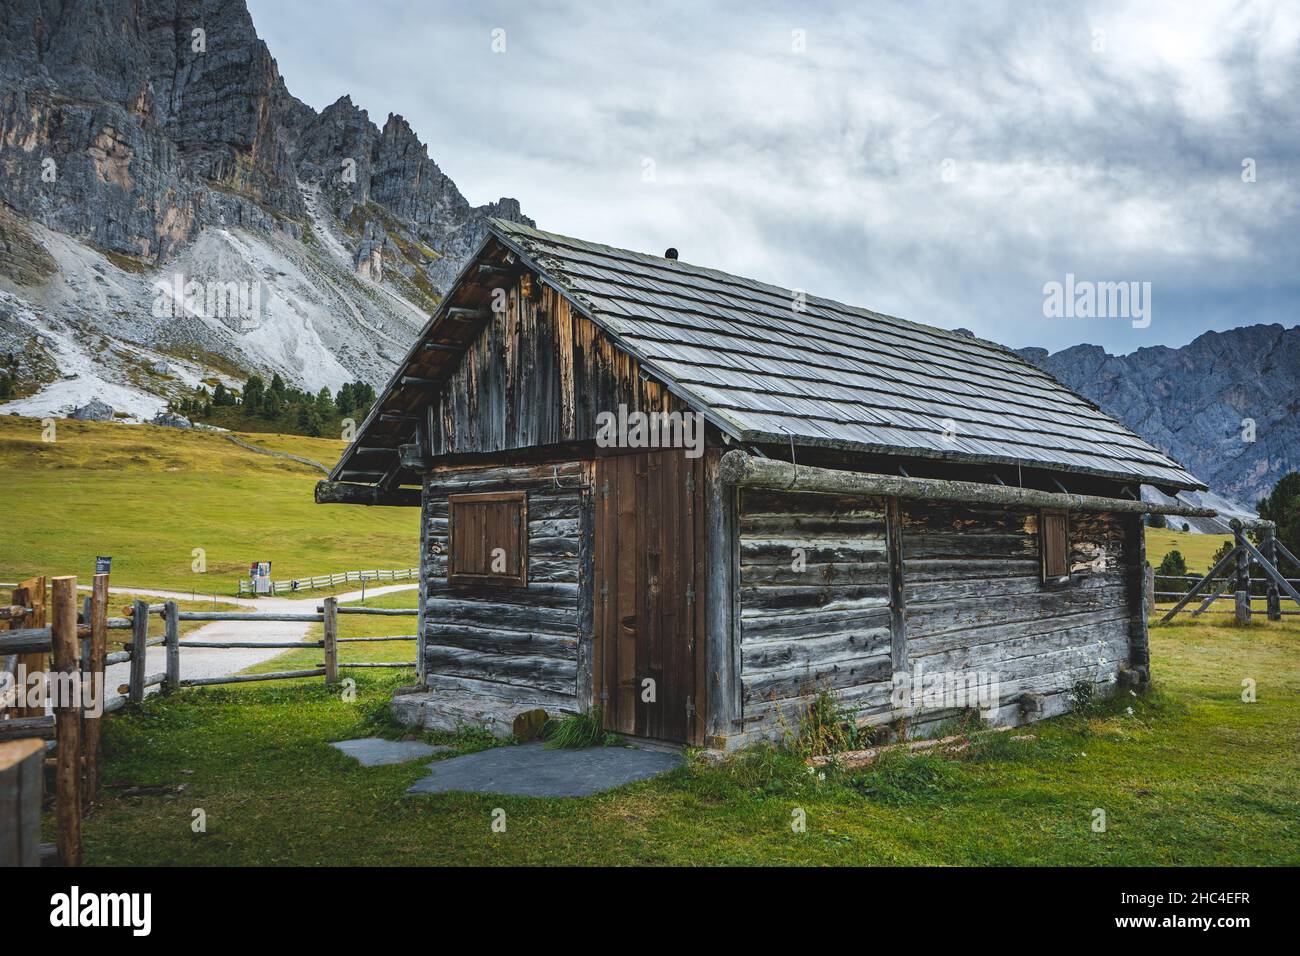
96, 669
1243, 574
67, 720
31, 593
331, 621
139, 650
172, 621
1268, 547
21, 780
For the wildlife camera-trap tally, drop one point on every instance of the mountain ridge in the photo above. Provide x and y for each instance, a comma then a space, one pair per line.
1224, 405
142, 139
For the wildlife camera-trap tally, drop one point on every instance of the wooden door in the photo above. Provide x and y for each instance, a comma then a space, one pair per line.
649, 595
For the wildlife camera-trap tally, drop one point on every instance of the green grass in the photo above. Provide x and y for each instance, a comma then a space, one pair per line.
1192, 776
148, 496
1197, 549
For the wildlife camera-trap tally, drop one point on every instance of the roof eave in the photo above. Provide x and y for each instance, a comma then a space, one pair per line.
752, 436
438, 315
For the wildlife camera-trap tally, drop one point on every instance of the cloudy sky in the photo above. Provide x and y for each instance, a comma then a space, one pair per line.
941, 162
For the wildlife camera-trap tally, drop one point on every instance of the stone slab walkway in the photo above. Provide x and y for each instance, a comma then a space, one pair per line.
377, 752
530, 770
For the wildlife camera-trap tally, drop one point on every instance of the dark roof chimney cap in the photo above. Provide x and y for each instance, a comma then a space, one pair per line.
670, 253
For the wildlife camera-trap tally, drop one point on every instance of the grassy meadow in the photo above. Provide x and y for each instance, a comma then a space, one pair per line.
1197, 549
148, 496
1188, 775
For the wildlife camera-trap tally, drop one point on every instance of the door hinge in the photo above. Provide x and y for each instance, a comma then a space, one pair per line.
690, 593
604, 489
604, 592
690, 481
690, 706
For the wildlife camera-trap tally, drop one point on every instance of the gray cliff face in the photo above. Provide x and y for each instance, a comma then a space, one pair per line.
1198, 402
134, 123
142, 140
117, 129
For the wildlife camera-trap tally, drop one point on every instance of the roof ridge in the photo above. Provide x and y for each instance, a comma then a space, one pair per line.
572, 242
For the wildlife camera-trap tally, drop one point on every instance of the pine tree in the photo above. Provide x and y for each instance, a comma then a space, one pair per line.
1282, 507
254, 389
1175, 566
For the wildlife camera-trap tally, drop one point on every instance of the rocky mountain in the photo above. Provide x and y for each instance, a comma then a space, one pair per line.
1225, 405
166, 202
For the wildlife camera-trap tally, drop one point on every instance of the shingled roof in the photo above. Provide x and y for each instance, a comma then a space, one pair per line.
766, 367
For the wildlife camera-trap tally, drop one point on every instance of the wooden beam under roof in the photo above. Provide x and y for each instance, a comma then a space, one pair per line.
347, 493
460, 313
744, 470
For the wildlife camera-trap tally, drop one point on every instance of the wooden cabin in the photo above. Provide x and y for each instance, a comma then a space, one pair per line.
836, 500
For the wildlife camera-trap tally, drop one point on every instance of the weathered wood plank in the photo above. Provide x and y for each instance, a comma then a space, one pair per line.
21, 779
251, 678
757, 600
544, 673
512, 617
812, 623
745, 470
814, 651
927, 620
96, 659
67, 722
833, 675
491, 641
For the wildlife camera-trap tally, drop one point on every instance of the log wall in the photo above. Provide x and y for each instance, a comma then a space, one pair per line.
976, 600
512, 643
972, 599
814, 603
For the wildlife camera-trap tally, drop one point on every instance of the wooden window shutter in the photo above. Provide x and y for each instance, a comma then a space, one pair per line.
1054, 542
488, 539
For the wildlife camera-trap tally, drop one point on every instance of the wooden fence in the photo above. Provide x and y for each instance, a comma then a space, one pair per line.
326, 614
331, 580
1230, 579
1173, 587
74, 730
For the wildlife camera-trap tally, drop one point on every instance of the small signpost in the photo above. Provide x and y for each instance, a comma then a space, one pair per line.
259, 575
102, 564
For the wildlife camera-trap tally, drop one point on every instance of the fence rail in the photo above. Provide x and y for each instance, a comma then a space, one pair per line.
1231, 579
325, 614
332, 580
